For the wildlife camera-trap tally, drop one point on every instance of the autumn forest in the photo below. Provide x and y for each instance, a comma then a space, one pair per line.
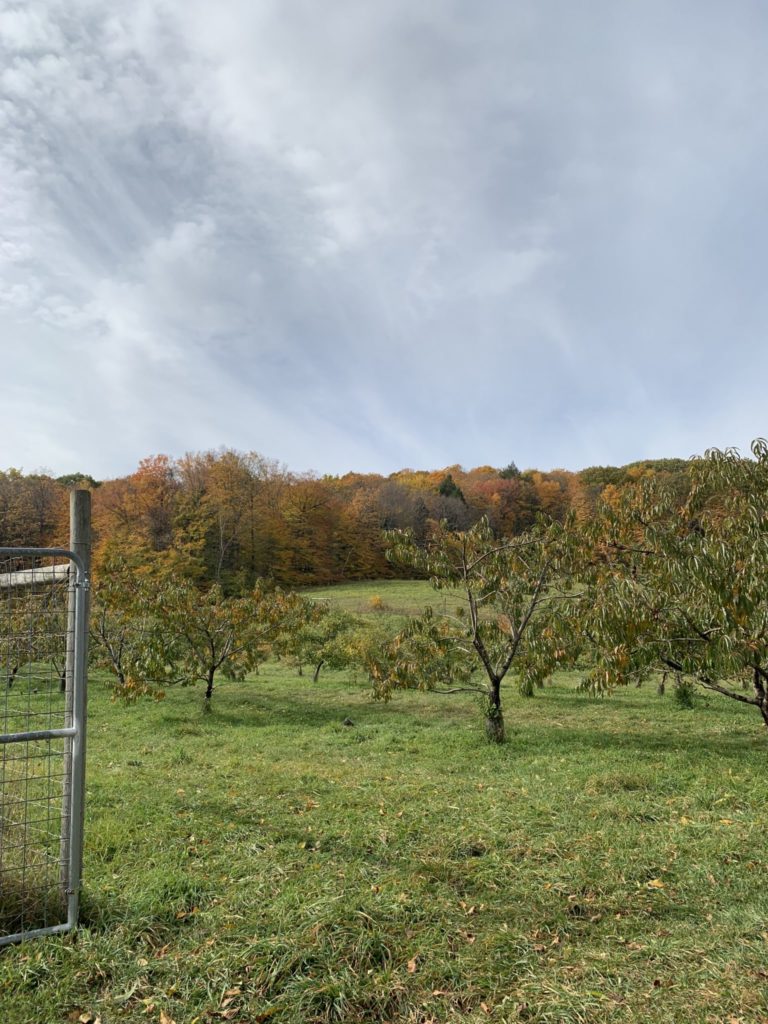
234, 517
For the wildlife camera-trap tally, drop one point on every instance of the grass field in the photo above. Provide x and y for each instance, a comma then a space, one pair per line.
399, 597
266, 862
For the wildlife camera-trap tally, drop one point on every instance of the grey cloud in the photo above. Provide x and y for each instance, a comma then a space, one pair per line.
356, 235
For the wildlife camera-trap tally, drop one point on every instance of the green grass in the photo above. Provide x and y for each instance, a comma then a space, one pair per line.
400, 597
267, 862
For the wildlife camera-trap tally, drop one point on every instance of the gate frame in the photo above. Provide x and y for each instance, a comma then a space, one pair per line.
74, 734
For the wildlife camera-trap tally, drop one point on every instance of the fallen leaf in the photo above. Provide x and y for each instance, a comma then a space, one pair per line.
412, 965
165, 1019
655, 883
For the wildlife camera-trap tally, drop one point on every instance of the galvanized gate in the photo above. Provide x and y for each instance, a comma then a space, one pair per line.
43, 650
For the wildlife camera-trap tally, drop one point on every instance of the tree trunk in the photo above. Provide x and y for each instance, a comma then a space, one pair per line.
209, 687
494, 719
762, 696
316, 675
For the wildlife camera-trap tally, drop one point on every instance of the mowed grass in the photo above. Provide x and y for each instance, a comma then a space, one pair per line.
267, 862
397, 597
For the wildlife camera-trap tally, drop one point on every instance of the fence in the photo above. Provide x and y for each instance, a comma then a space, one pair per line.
43, 649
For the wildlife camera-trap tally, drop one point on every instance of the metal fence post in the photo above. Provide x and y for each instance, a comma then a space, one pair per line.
72, 809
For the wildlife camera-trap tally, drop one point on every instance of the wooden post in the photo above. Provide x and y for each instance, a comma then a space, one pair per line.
79, 544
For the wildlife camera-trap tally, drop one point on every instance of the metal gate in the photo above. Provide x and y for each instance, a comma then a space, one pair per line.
43, 649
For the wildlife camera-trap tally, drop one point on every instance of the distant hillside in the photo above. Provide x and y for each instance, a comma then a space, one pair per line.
235, 516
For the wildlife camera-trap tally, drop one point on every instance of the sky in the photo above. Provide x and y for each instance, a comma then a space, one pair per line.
374, 234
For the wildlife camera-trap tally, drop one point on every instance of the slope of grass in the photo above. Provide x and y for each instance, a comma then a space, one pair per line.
268, 862
399, 597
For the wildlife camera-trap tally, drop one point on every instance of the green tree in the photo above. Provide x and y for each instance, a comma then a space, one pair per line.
126, 636
682, 585
448, 488
514, 596
206, 632
321, 640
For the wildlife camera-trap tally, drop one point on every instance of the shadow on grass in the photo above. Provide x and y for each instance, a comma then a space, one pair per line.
306, 711
565, 740
566, 723
161, 906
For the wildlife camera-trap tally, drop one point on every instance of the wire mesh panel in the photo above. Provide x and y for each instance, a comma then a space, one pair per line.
41, 674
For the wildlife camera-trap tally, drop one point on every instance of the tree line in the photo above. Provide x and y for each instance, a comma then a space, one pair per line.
233, 518
657, 579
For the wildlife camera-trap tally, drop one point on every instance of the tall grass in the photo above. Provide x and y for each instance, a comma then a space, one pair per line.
268, 861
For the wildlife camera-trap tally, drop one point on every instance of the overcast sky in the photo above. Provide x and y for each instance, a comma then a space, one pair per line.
369, 234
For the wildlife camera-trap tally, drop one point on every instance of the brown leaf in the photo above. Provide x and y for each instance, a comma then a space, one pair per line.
165, 1019
412, 965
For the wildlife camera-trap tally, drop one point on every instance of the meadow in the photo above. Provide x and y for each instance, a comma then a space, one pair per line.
391, 597
302, 854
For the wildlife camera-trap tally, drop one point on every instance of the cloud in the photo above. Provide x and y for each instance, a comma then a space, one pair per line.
365, 236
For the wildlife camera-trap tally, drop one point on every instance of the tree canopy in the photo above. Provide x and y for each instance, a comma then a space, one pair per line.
682, 584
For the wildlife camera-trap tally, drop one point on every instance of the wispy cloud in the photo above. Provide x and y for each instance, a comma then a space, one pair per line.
355, 235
